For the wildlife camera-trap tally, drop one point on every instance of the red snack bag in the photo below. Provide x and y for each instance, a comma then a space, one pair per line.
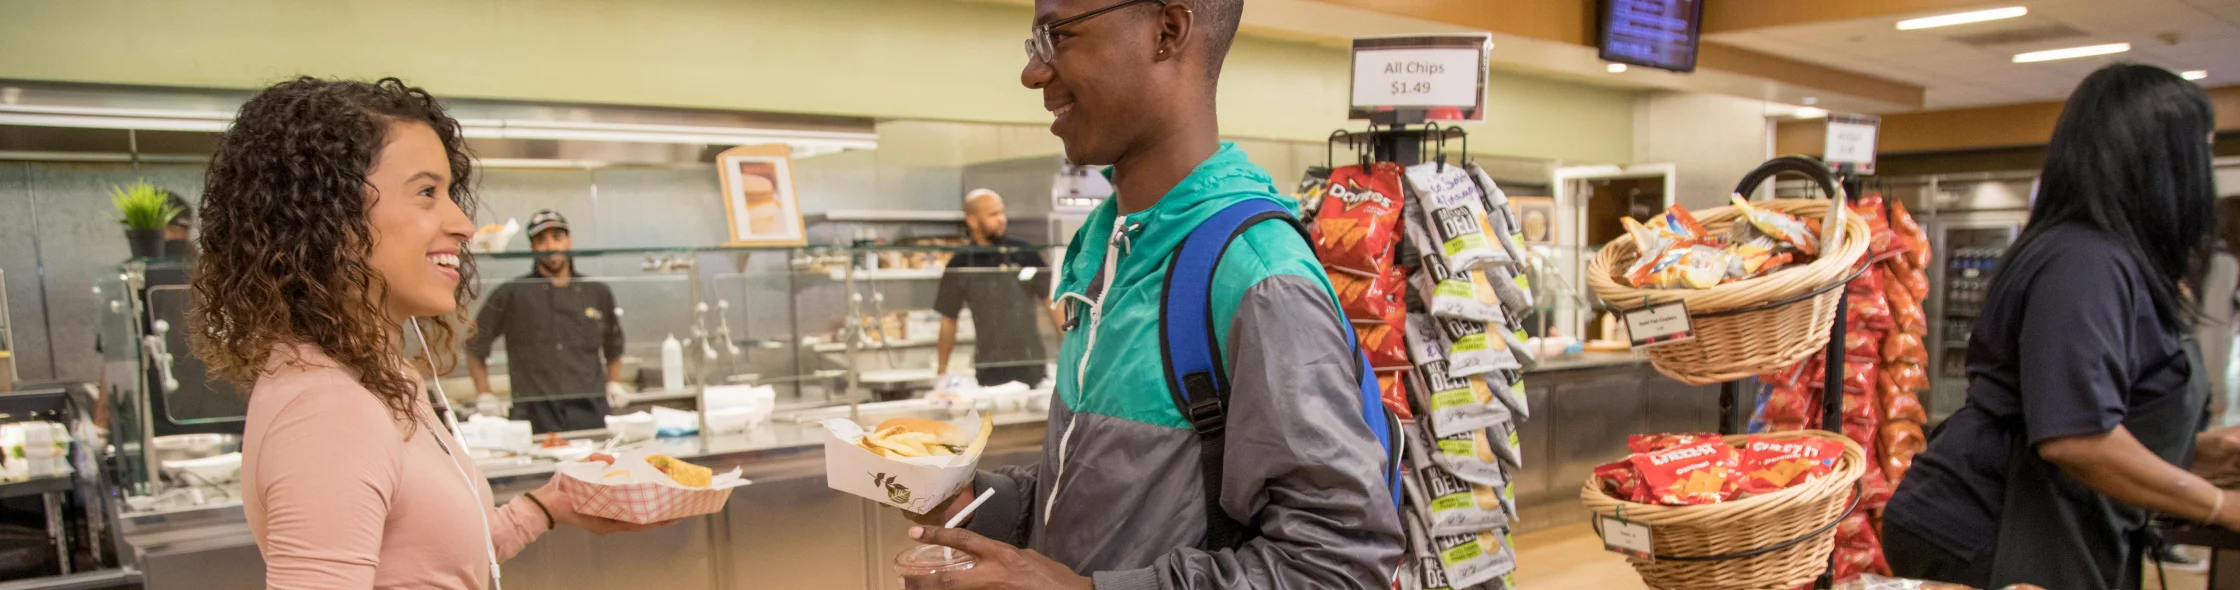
1790, 405
1358, 224
1860, 432
1870, 311
1650, 443
1803, 374
1365, 296
1901, 407
1620, 480
1862, 344
1902, 346
1858, 550
1859, 407
1903, 438
1385, 343
1917, 240
1907, 315
1770, 465
1910, 377
1880, 237
1876, 483
1692, 474
1393, 387
1859, 376
1868, 283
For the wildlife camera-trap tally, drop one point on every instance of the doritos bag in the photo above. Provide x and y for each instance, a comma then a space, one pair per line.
1771, 465
1366, 296
1692, 474
1393, 386
1358, 224
1386, 344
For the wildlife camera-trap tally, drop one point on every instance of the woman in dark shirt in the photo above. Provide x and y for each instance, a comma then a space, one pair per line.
2084, 405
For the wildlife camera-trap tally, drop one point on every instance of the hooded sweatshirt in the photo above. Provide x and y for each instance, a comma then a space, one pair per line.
1118, 492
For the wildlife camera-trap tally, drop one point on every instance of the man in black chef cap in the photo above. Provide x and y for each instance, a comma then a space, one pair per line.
563, 339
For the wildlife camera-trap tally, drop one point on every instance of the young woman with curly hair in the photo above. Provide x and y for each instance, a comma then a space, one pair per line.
334, 214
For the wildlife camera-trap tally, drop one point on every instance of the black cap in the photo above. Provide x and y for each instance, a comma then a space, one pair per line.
544, 220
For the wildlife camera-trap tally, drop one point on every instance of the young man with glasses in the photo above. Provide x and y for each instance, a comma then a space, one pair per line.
1118, 501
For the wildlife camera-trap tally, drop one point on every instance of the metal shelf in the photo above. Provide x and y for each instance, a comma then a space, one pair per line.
905, 274
36, 486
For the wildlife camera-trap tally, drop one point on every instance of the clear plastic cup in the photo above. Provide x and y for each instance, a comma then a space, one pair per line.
917, 565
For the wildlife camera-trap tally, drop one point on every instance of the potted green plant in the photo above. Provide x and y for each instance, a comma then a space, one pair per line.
144, 210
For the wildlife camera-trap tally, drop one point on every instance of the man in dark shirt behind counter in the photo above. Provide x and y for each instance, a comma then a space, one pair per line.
563, 339
1007, 284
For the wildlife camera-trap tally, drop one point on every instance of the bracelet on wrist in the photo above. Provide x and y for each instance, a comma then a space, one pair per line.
548, 522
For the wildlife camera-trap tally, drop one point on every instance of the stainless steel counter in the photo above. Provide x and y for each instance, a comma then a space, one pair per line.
786, 530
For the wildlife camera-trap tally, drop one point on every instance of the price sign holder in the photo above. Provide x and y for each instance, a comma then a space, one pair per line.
1442, 77
1627, 538
1659, 324
1851, 142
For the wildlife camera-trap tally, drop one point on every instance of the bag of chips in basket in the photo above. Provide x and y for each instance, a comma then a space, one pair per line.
1621, 481
1455, 211
1650, 443
1771, 465
1358, 223
1691, 474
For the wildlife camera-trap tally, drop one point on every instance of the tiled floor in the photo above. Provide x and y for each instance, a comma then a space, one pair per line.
1571, 557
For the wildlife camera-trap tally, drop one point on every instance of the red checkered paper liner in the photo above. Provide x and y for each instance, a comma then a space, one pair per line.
637, 500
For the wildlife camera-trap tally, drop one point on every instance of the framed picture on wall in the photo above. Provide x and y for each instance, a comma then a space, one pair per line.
758, 196
1537, 217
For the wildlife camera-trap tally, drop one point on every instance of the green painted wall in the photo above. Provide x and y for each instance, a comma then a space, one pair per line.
921, 59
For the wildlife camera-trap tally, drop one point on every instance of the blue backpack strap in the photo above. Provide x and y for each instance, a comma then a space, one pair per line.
1195, 375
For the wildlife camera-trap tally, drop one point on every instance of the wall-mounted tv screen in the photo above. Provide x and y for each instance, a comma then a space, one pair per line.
1652, 33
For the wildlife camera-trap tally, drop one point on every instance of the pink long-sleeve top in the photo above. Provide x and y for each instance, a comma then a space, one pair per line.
340, 497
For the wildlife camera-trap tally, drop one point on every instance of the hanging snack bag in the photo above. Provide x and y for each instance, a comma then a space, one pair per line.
1461, 561
1526, 358
1502, 219
1472, 347
1392, 386
1691, 474
1386, 343
1455, 210
1782, 227
1511, 288
1425, 454
1366, 296
1453, 506
1310, 192
1475, 455
1455, 293
1513, 395
1358, 224
1455, 404
1771, 465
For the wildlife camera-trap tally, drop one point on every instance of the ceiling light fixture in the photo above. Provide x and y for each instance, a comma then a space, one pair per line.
2072, 52
1811, 100
1962, 18
2194, 74
217, 122
1811, 113
1615, 68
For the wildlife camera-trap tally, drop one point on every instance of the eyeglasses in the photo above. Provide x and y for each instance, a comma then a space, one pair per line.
1042, 48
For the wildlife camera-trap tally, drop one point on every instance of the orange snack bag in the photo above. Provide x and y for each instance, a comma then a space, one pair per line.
1358, 223
1770, 465
1691, 474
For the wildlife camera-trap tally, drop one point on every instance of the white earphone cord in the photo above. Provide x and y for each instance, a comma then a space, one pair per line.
489, 547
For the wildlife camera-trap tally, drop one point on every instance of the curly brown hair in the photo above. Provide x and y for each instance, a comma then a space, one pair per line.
285, 238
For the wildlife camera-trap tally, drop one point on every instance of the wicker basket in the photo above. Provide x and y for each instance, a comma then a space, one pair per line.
1746, 327
1804, 516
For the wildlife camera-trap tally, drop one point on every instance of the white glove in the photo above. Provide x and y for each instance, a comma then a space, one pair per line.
489, 405
617, 395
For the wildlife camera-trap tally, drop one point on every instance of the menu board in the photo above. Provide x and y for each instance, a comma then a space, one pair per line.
1652, 33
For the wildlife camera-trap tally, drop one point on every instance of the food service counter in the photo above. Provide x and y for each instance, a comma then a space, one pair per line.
788, 530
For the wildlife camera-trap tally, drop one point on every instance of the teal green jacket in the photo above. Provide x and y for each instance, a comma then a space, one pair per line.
1118, 492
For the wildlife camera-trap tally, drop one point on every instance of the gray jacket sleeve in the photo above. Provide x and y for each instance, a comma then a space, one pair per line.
1301, 464
1006, 518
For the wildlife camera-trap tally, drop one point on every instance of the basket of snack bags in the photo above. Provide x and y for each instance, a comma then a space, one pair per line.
645, 487
1744, 512
1757, 278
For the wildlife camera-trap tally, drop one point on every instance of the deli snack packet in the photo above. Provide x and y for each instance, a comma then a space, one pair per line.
1456, 404
1456, 214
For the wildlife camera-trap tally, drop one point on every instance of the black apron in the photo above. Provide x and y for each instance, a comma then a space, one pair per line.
2056, 532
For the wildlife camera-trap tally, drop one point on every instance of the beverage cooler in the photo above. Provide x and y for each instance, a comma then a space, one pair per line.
1972, 219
